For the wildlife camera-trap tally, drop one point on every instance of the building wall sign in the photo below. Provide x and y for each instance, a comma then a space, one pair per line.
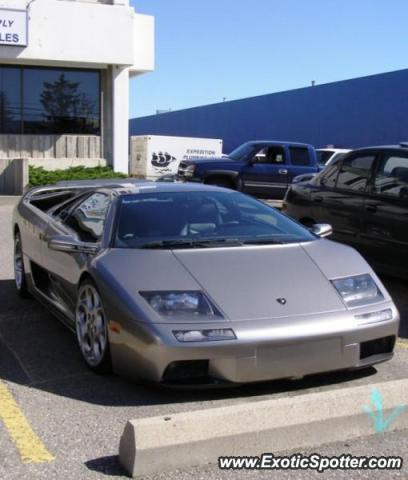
13, 27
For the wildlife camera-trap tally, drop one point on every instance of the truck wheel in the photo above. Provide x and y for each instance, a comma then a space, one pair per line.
221, 182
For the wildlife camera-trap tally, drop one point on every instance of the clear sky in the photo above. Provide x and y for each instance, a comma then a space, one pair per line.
210, 49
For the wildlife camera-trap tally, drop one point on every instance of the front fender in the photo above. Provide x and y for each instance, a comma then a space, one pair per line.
230, 175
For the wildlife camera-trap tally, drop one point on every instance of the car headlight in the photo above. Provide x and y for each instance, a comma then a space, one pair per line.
189, 171
192, 304
212, 335
358, 291
374, 317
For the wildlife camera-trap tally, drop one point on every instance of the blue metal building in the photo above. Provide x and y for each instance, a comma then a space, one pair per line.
353, 113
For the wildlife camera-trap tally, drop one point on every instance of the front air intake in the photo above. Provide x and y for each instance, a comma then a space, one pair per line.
378, 346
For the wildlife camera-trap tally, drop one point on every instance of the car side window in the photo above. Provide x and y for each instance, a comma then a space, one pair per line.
328, 177
271, 155
63, 210
355, 172
88, 218
391, 178
299, 156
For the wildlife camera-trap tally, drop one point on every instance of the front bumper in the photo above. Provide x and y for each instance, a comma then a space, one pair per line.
183, 179
264, 350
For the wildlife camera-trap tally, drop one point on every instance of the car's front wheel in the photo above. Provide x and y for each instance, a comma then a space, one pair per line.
92, 328
19, 271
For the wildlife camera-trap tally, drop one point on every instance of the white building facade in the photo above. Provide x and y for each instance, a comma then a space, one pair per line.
64, 79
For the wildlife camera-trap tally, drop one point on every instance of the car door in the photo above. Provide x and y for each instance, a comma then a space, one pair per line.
385, 232
85, 222
266, 174
32, 228
300, 162
340, 198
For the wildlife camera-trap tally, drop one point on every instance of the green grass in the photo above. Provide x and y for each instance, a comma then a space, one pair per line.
38, 176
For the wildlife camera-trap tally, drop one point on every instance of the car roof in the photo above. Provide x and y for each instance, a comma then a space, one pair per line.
122, 187
279, 143
400, 148
165, 187
110, 182
128, 186
334, 150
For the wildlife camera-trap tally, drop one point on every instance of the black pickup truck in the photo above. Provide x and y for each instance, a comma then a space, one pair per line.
261, 168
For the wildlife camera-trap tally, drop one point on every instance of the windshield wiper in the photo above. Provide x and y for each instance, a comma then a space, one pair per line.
263, 241
203, 243
166, 244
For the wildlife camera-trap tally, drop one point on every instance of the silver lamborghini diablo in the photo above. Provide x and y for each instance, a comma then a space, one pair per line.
190, 283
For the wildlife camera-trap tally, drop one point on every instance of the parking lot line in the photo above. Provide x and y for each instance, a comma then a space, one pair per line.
402, 343
30, 447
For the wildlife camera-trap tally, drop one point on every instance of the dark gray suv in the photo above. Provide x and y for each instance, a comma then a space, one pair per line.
364, 197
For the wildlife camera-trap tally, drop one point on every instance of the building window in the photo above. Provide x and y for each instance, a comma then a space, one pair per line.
49, 101
10, 100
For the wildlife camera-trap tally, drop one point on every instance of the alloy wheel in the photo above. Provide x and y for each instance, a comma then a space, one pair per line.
18, 263
91, 325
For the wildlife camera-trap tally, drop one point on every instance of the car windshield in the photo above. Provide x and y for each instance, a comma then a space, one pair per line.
323, 156
201, 219
244, 151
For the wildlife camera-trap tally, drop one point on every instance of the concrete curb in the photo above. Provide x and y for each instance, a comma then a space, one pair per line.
6, 200
160, 444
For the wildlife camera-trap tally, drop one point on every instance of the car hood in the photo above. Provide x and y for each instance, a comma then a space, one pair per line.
262, 282
244, 282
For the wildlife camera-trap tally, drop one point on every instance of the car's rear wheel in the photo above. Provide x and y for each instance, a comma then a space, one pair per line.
92, 328
19, 271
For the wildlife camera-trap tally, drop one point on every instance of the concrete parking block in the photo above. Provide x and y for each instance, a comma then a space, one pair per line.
167, 443
7, 200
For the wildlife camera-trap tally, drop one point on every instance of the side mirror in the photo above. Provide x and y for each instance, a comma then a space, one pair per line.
68, 244
322, 230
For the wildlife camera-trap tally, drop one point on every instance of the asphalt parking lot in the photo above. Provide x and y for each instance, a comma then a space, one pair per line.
79, 416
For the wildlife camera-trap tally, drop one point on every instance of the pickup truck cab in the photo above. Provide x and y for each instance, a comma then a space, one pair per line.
260, 168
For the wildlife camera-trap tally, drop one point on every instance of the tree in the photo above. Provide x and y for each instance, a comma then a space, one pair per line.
65, 108
60, 98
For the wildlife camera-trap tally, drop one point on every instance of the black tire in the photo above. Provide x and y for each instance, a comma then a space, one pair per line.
88, 317
221, 182
19, 270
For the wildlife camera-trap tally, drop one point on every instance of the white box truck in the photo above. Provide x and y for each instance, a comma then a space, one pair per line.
152, 156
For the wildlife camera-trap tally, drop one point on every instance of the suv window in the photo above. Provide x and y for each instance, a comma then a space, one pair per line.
355, 172
88, 218
392, 177
328, 177
299, 156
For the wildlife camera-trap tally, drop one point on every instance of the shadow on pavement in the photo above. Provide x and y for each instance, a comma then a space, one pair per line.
38, 351
107, 466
